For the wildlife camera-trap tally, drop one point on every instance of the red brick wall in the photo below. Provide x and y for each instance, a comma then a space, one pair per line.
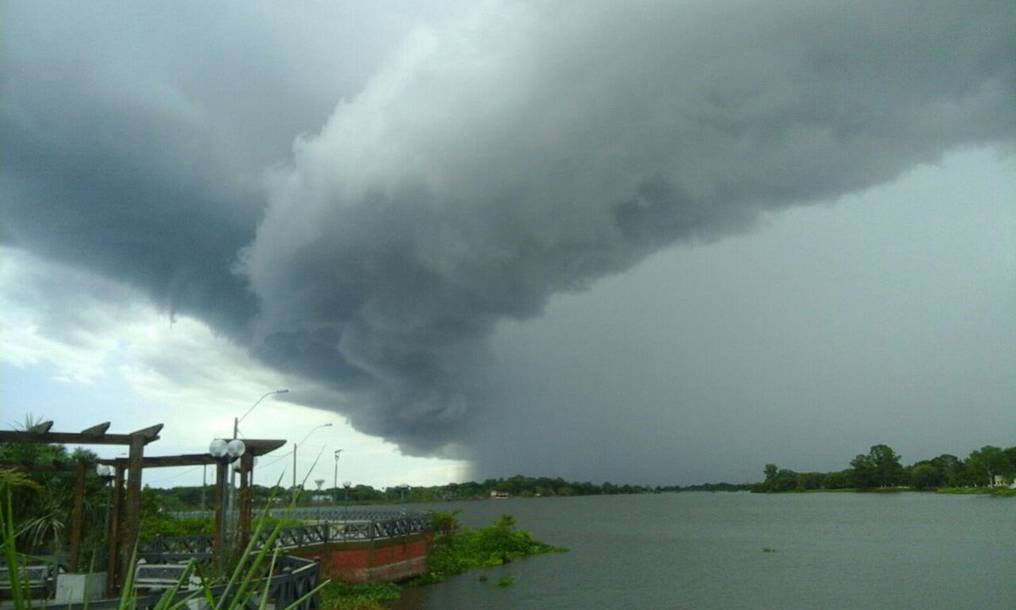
373, 561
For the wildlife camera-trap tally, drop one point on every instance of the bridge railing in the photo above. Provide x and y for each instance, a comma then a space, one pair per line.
370, 526
331, 526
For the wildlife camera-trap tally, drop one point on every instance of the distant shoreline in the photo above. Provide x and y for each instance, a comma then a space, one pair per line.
998, 492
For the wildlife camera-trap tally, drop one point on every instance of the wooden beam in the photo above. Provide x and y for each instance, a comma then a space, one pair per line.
189, 459
219, 535
41, 427
113, 537
97, 429
76, 516
261, 446
132, 505
246, 501
255, 447
166, 461
65, 438
150, 433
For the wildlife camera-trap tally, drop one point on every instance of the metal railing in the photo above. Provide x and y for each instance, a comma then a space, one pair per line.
335, 514
333, 526
175, 548
293, 578
297, 577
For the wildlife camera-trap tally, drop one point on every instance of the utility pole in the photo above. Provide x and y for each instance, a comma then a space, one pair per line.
236, 432
335, 482
328, 425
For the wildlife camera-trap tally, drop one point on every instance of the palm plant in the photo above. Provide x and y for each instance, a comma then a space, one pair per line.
46, 528
11, 479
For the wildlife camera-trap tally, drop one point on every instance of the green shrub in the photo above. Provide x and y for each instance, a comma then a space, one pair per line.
470, 548
506, 581
343, 596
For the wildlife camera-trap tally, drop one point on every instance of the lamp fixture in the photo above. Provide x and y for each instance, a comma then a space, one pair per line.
218, 448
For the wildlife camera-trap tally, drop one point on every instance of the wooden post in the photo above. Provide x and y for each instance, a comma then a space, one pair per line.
218, 536
246, 499
76, 516
113, 538
132, 505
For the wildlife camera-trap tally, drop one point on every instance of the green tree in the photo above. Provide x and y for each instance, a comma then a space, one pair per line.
926, 476
886, 463
838, 480
951, 468
1010, 454
862, 472
785, 480
809, 480
987, 462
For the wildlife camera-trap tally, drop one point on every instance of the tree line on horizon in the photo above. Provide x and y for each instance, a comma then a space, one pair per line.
881, 468
189, 498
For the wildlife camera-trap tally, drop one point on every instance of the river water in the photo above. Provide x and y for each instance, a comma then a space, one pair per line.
706, 550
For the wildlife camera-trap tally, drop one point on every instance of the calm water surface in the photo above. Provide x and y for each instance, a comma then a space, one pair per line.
705, 550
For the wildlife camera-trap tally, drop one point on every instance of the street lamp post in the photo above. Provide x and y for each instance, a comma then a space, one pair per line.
335, 481
296, 445
236, 433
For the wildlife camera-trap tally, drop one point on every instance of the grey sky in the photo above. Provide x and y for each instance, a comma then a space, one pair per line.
887, 317
365, 195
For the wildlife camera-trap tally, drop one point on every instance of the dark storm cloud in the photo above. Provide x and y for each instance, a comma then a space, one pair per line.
134, 139
491, 166
483, 166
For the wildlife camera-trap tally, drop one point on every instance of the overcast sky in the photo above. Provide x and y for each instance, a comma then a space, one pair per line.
662, 242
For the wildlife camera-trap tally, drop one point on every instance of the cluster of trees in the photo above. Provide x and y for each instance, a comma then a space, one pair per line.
707, 487
192, 498
881, 468
519, 485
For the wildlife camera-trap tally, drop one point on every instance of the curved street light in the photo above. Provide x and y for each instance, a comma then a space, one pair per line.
237, 420
236, 430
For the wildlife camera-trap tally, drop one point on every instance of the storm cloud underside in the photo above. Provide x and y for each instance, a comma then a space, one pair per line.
486, 162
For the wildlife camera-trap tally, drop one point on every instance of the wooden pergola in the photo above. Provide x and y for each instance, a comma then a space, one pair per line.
97, 435
126, 496
254, 448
